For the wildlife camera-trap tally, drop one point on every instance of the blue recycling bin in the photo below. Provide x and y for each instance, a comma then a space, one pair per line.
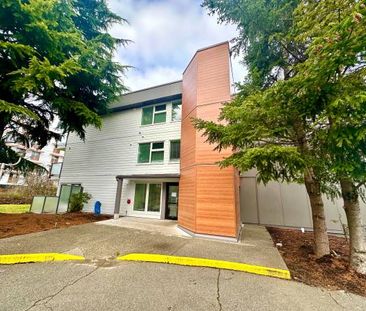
97, 208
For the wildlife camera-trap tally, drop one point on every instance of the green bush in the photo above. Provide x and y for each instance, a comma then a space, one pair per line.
77, 201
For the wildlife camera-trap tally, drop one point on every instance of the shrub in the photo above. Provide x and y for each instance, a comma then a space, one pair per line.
35, 185
77, 201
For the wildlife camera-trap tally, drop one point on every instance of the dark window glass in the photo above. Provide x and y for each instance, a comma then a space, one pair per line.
140, 197
160, 108
175, 150
154, 198
147, 115
159, 145
144, 153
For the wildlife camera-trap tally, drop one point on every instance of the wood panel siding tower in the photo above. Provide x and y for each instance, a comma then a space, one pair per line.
209, 196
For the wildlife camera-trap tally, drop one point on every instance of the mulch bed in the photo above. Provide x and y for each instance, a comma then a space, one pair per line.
329, 271
18, 224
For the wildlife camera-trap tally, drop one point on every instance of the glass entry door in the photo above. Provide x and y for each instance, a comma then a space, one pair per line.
172, 201
147, 198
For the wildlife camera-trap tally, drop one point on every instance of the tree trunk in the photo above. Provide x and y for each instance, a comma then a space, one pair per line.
317, 210
351, 202
312, 184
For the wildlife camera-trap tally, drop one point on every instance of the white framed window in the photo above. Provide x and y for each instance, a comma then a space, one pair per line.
151, 152
147, 198
153, 114
35, 155
177, 110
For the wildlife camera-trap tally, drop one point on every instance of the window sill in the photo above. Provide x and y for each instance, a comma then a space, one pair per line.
154, 124
174, 161
151, 163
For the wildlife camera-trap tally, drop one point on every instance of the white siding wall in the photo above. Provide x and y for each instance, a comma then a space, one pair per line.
286, 204
113, 151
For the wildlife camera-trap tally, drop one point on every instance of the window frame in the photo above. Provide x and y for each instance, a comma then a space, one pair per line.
170, 150
147, 198
35, 155
154, 113
180, 104
157, 150
151, 151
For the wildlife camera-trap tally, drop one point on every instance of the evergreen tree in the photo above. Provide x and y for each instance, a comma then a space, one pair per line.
55, 62
273, 138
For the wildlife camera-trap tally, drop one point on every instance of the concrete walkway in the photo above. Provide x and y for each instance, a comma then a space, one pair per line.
99, 241
165, 227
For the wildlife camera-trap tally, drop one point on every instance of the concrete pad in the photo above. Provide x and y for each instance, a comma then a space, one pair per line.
97, 241
166, 227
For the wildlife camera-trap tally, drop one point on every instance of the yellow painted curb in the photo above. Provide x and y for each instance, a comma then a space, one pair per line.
211, 263
40, 257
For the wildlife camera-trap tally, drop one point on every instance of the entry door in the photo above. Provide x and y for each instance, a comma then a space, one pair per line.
147, 199
172, 201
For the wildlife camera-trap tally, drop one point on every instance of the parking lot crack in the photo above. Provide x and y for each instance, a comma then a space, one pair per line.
44, 301
218, 290
336, 301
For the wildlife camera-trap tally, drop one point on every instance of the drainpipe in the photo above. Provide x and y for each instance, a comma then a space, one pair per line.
2, 168
117, 205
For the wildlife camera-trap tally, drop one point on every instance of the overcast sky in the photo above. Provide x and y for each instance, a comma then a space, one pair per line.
166, 34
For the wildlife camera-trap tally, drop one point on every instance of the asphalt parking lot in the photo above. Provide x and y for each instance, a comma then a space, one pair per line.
103, 283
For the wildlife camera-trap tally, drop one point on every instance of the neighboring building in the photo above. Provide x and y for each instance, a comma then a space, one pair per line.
148, 157
50, 157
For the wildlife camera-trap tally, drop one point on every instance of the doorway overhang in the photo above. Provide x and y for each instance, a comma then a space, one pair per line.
120, 178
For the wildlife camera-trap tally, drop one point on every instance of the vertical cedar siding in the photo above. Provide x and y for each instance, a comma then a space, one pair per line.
208, 197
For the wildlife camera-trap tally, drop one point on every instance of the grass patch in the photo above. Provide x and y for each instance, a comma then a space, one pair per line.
14, 208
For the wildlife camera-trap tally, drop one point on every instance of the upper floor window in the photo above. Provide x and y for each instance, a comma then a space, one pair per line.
151, 152
56, 169
177, 111
154, 114
34, 155
175, 150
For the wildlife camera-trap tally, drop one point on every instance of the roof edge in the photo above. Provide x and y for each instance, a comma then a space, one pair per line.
206, 48
146, 103
152, 87
147, 176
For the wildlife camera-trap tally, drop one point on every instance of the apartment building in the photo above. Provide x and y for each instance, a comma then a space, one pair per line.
49, 157
149, 161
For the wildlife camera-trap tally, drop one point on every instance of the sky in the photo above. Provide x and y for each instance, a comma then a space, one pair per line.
165, 35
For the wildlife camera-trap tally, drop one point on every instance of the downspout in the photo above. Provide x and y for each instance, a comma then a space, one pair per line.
117, 205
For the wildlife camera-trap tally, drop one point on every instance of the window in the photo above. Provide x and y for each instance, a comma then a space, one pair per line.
56, 169
147, 198
144, 153
157, 152
151, 152
34, 155
177, 111
160, 114
140, 196
175, 150
154, 198
153, 114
